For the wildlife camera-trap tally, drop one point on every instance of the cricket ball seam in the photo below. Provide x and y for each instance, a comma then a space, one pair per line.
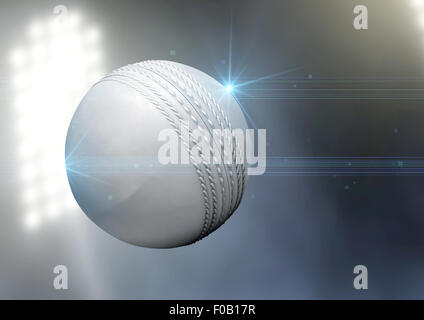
240, 175
203, 232
215, 221
197, 88
226, 209
174, 76
216, 212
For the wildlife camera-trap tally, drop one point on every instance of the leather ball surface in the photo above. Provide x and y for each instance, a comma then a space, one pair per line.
112, 151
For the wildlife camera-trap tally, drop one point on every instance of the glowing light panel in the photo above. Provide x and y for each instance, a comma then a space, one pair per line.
50, 75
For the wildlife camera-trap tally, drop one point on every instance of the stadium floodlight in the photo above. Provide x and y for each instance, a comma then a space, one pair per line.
418, 3
50, 74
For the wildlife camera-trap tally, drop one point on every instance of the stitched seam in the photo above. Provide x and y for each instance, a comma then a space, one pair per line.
136, 68
216, 219
207, 95
112, 77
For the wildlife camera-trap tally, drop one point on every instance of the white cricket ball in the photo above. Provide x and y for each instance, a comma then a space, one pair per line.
112, 149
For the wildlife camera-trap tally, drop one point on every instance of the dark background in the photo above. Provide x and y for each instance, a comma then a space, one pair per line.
294, 236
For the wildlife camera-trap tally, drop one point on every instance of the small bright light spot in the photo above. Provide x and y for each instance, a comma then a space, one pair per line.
93, 35
35, 30
229, 88
32, 220
28, 173
30, 196
38, 52
19, 80
52, 210
49, 188
17, 57
93, 57
56, 26
74, 20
